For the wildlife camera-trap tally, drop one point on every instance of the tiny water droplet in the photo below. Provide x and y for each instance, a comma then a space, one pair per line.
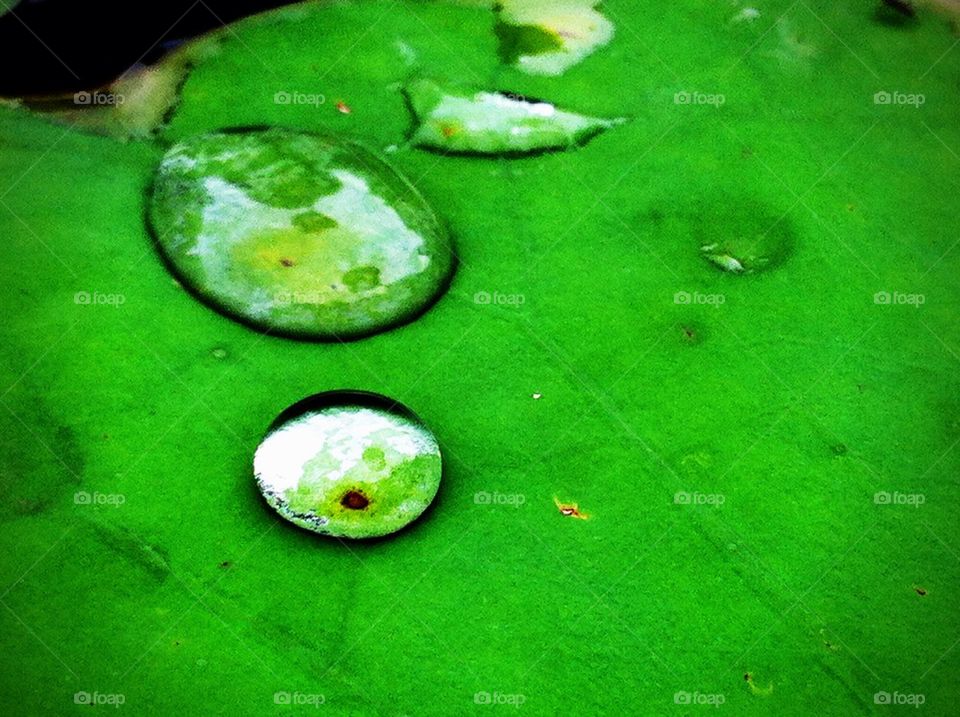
219, 353
746, 239
348, 464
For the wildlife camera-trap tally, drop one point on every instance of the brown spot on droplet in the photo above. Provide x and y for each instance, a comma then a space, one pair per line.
354, 500
343, 107
286, 262
448, 130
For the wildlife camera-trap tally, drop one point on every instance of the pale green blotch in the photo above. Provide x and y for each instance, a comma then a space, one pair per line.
349, 471
298, 233
458, 121
546, 37
311, 221
722, 260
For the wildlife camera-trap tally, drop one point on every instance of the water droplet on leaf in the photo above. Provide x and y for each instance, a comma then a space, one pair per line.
743, 236
545, 37
298, 233
468, 122
348, 464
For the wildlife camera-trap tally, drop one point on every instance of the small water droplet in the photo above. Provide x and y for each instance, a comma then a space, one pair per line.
546, 38
219, 353
468, 122
720, 256
744, 238
348, 464
298, 233
537, 396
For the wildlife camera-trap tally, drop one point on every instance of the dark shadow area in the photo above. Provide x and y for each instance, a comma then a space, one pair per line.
62, 46
895, 13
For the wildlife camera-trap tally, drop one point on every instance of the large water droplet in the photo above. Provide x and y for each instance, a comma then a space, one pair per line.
298, 233
545, 37
461, 121
348, 464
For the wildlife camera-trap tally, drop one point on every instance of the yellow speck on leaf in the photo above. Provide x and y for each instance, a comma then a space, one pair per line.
571, 510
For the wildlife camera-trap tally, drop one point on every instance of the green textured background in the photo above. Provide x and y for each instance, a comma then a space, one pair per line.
191, 597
